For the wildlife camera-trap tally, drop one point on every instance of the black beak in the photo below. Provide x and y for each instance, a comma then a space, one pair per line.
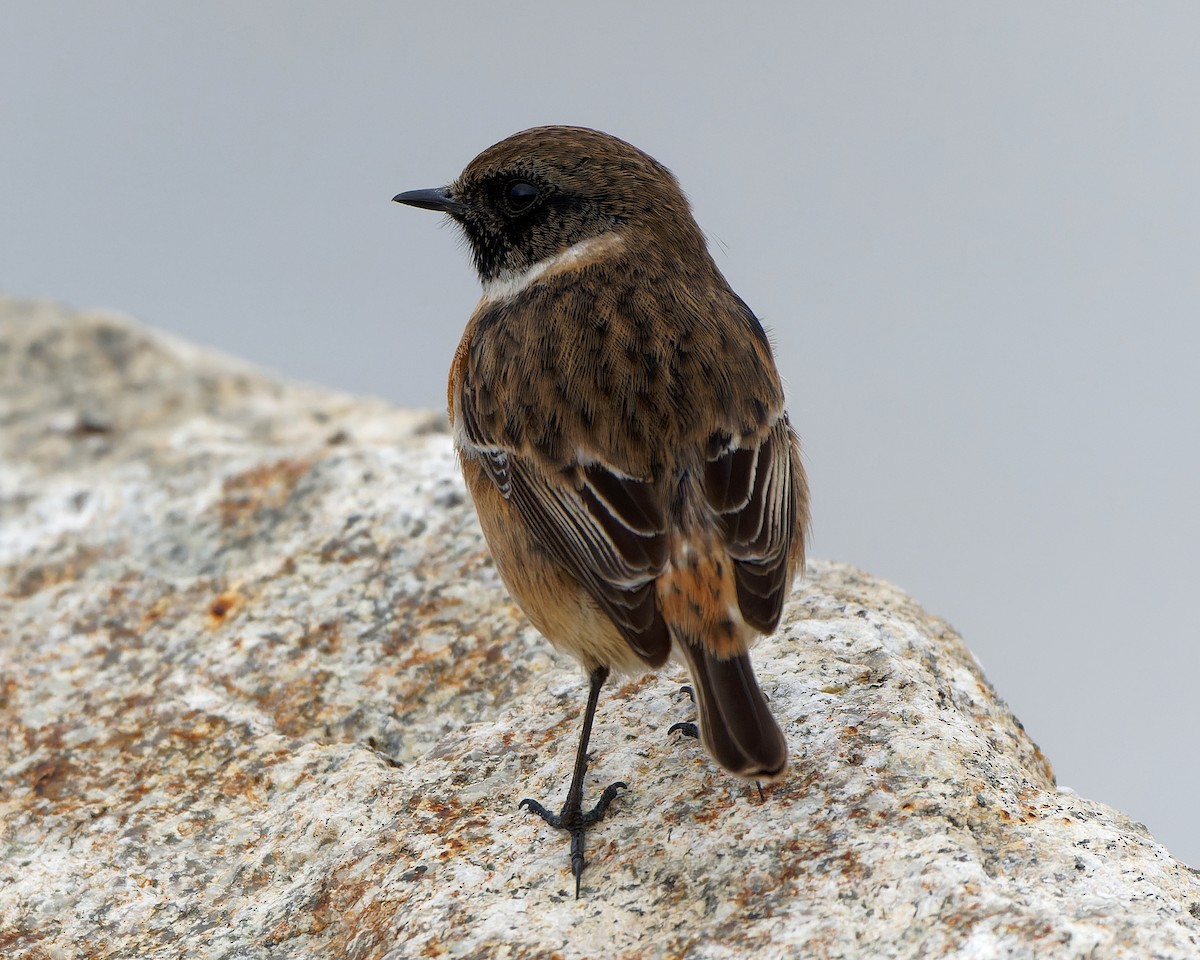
436, 199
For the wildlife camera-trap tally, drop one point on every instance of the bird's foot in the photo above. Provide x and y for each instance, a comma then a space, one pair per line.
575, 821
686, 728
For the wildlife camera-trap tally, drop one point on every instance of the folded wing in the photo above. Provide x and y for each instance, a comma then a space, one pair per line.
606, 529
754, 489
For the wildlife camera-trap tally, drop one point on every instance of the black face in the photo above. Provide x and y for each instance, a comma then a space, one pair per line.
541, 191
516, 218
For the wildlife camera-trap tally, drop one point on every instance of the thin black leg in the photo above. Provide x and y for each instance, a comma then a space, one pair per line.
573, 818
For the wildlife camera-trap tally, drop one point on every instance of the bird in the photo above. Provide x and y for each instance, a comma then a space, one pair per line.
620, 424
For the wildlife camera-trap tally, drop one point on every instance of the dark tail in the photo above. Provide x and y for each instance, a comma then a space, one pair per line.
736, 725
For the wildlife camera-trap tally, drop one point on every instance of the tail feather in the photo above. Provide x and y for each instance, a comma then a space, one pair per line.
736, 725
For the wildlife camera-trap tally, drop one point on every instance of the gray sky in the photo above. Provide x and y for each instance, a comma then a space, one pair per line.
972, 230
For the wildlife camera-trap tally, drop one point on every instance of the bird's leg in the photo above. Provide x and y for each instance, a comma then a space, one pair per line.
687, 728
573, 818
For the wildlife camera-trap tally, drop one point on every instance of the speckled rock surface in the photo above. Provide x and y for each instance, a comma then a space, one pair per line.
262, 695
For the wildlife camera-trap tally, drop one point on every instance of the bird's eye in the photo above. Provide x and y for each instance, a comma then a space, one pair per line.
520, 195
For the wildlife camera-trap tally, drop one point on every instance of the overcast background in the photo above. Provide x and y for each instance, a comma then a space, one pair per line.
973, 231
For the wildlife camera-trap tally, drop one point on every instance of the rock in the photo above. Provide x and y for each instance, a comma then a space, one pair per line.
263, 695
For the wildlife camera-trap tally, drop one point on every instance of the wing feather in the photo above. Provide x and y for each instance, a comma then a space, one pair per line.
754, 491
607, 529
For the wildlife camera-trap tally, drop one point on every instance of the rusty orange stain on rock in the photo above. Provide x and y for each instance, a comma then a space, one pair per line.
34, 579
239, 782
8, 687
298, 706
267, 486
327, 637
222, 606
205, 727
53, 779
435, 604
155, 611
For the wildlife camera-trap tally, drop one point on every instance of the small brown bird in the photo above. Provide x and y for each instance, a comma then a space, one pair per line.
621, 427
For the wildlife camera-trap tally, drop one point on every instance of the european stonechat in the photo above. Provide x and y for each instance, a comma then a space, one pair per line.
621, 427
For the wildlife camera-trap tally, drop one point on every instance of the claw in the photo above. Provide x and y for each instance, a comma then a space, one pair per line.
607, 797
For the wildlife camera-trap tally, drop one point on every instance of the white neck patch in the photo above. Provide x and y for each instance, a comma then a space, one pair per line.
509, 284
